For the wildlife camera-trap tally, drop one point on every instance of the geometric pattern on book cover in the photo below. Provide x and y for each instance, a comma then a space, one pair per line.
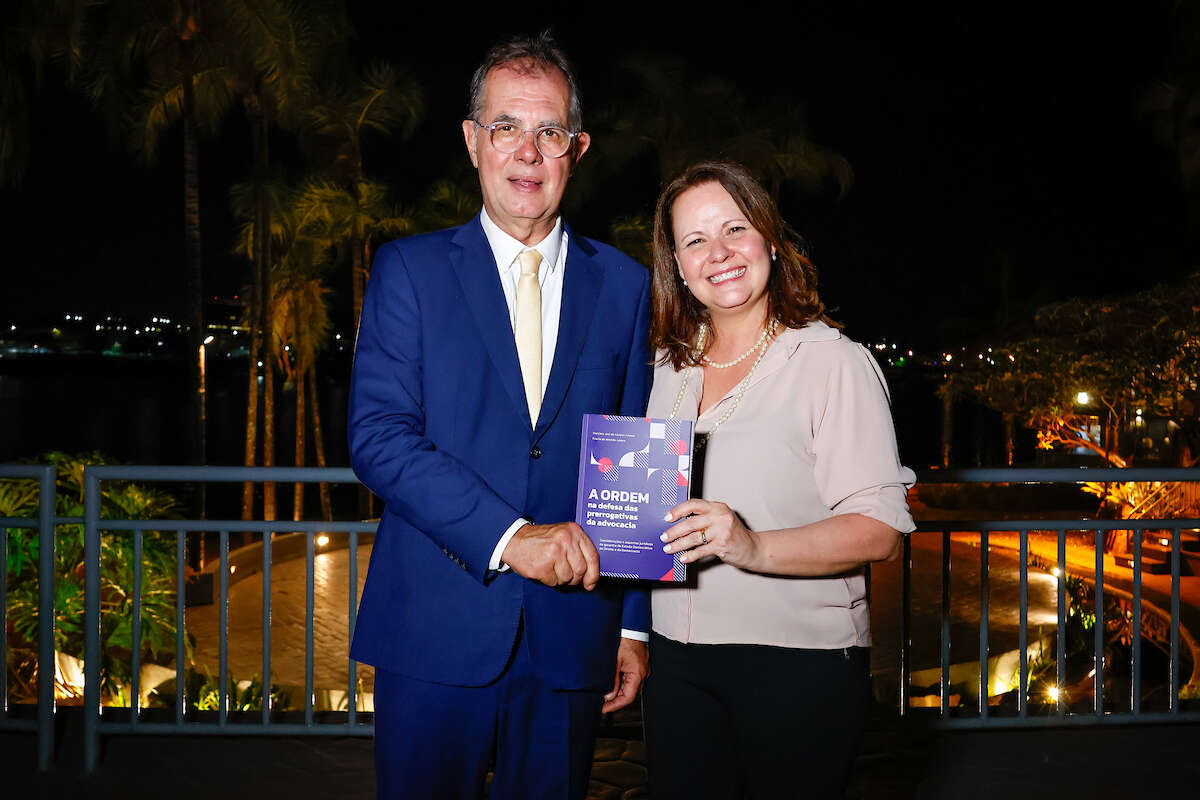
667, 451
660, 464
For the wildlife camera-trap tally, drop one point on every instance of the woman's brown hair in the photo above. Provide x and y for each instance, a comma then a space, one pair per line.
676, 314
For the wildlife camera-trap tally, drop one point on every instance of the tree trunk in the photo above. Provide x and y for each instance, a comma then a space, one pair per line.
262, 246
359, 284
1010, 435
301, 428
195, 277
268, 435
251, 403
361, 265
319, 444
195, 274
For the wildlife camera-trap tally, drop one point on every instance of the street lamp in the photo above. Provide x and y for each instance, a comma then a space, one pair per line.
1083, 398
203, 355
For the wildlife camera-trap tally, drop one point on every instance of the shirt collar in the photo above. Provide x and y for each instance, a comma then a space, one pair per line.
505, 248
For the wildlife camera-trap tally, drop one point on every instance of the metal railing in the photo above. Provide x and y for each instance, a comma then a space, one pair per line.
100, 721
1098, 713
94, 724
45, 526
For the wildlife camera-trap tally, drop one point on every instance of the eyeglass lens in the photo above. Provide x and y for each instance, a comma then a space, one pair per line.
550, 141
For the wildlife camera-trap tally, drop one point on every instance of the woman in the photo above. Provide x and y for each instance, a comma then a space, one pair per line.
759, 682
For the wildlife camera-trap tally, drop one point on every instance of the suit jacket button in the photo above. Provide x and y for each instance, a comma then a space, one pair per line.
535, 452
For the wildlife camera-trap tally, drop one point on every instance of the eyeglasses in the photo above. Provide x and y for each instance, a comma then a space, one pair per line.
550, 140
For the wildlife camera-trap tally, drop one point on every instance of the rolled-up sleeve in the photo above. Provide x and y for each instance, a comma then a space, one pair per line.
856, 464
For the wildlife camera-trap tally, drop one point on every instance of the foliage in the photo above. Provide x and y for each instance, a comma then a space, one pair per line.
118, 500
202, 692
667, 112
385, 100
634, 236
1138, 351
449, 202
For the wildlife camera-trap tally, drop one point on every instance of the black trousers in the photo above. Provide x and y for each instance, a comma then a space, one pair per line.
731, 721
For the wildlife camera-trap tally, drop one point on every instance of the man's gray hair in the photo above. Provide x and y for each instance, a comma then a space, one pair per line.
524, 54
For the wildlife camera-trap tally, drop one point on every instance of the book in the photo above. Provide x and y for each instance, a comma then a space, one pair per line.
632, 471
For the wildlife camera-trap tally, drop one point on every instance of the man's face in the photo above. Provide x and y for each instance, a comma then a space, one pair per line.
522, 190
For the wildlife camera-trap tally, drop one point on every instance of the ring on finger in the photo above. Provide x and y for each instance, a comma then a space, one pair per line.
703, 535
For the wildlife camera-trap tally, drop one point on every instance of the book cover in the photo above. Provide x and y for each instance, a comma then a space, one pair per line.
632, 471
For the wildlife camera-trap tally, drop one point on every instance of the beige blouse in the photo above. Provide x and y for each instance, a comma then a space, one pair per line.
811, 438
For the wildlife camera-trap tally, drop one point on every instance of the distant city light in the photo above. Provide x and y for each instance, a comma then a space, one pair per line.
1083, 398
209, 339
1053, 694
322, 540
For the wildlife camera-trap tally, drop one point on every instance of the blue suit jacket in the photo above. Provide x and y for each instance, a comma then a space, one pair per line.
440, 430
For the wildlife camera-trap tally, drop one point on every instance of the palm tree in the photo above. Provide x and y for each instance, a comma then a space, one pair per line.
198, 59
273, 78
33, 35
272, 247
179, 46
301, 330
385, 101
349, 219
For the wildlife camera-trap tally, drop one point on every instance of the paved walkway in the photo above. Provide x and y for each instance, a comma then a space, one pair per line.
331, 623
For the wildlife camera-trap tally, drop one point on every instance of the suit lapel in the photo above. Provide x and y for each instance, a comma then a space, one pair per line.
475, 266
581, 288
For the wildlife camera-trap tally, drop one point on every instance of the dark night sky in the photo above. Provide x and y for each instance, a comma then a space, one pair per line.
999, 158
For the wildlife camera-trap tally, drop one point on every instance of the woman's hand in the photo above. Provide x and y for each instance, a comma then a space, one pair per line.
711, 530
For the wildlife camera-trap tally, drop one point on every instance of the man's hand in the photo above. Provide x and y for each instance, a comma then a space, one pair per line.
633, 665
556, 555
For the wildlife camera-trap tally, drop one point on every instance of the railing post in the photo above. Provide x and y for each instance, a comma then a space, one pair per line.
3, 625
91, 620
1060, 653
905, 622
46, 578
984, 683
945, 661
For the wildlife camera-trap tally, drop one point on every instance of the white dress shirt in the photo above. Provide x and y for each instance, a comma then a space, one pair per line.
553, 250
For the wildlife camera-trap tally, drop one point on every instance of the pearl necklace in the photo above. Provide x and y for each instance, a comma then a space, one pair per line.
724, 365
761, 346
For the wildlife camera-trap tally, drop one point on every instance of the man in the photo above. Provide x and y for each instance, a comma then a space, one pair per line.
480, 348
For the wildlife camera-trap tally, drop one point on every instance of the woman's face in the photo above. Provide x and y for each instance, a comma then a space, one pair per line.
724, 261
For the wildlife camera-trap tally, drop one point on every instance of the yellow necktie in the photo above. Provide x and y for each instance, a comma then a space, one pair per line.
529, 330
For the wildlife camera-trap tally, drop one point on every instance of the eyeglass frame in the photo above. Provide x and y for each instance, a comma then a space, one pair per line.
490, 127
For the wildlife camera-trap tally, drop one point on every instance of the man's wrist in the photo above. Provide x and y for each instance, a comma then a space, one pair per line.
496, 565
